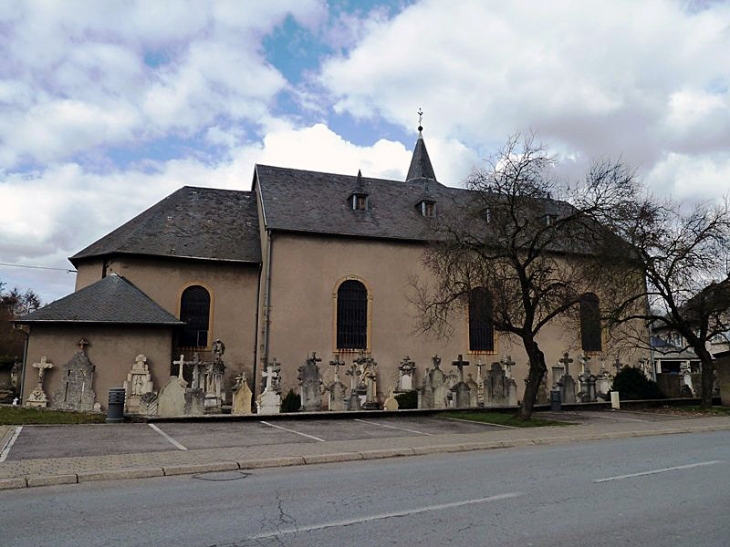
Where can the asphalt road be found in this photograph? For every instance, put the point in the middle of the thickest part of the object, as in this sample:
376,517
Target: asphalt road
106,439
650,491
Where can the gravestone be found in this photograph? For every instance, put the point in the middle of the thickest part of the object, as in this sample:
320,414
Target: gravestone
390,403
309,382
494,391
138,382
604,381
438,384
269,402
510,386
171,400
76,392
425,394
480,382
242,396
148,404
37,397
473,391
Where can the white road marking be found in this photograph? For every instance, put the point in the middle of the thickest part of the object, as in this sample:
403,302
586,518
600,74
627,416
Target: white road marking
656,471
11,442
293,431
166,436
393,427
382,516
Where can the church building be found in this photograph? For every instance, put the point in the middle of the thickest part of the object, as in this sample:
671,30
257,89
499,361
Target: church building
303,262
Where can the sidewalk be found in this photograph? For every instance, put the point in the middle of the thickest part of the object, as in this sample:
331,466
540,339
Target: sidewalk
70,470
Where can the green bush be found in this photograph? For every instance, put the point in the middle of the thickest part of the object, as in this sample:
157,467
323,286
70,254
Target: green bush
631,384
292,402
409,399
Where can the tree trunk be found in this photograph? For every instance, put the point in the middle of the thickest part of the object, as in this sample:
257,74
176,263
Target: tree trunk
534,377
708,375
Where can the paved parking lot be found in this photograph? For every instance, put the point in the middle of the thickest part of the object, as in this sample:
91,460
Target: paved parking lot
109,439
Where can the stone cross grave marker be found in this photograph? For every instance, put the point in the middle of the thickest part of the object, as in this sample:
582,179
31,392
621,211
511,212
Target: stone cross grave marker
37,397
337,364
565,361
507,364
460,364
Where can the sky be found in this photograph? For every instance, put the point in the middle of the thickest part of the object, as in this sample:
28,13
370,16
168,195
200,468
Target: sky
106,107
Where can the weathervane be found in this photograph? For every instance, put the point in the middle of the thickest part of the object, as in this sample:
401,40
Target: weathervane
420,119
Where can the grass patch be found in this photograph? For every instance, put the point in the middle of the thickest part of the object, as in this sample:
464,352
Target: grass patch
499,418
18,415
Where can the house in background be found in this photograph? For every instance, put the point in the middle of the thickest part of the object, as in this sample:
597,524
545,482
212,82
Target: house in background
304,262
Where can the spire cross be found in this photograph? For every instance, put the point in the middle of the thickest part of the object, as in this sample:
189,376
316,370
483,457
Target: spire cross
420,120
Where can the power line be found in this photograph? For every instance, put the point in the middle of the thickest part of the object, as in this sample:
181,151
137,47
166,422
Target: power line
37,267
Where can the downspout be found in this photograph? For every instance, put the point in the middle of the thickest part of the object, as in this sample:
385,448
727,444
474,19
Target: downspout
25,360
267,298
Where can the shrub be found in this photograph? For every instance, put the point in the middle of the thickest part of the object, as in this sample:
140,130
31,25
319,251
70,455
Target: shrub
409,399
631,384
292,402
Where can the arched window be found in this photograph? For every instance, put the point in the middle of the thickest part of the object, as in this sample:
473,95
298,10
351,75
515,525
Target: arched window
352,316
195,312
590,323
481,326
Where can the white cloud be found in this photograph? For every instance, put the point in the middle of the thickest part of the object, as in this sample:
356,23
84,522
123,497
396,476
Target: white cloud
609,78
76,69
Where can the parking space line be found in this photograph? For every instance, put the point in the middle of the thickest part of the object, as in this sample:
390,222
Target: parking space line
657,471
166,436
11,442
293,431
394,427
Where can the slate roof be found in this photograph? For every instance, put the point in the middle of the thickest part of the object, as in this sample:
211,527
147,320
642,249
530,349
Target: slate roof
192,222
315,202
112,299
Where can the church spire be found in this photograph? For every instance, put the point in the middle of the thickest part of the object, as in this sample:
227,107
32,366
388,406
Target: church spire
421,167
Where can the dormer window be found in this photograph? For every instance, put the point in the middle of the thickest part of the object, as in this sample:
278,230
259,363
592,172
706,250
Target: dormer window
550,219
427,208
359,202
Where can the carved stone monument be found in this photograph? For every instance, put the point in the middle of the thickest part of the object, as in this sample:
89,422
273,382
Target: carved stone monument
76,391
138,382
37,397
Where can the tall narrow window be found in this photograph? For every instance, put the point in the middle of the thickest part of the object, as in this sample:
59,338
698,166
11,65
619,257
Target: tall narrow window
481,326
195,312
352,315
590,323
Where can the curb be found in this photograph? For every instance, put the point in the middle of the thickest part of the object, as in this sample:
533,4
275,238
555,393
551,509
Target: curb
31,481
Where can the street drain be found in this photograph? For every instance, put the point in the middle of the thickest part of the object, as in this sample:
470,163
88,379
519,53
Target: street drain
221,476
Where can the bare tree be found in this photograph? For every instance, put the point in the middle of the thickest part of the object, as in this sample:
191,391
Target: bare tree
513,236
682,254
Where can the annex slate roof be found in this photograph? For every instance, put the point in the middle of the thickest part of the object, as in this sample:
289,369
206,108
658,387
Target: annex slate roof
112,299
192,222
315,202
